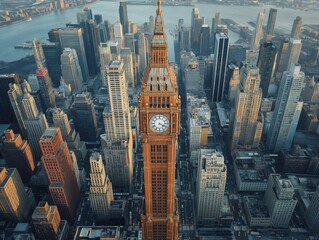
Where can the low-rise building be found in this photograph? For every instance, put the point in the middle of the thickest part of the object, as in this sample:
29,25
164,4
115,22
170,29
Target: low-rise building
256,212
97,233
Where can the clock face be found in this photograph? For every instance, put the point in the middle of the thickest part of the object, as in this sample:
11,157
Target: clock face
159,123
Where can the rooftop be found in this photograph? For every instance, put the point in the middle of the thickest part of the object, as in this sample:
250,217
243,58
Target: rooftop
97,232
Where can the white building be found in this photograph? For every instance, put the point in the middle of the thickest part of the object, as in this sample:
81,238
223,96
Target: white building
101,192
211,180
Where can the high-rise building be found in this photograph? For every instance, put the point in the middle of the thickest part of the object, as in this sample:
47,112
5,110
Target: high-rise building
142,51
204,40
270,28
294,45
159,116
287,110
52,52
118,33
215,22
105,58
123,16
71,70
247,124
16,203
5,105
127,60
32,123
211,182
118,134
46,221
258,32
58,165
46,91
281,58
101,192
312,212
17,154
266,64
195,15
38,53
84,117
280,201
72,138
53,35
220,66
71,37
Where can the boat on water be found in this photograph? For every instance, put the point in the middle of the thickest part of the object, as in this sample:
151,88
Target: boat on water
29,19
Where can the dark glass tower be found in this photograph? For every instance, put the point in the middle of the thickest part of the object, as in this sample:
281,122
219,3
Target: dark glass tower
204,39
123,17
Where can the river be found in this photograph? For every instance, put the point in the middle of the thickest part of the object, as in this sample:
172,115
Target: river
39,26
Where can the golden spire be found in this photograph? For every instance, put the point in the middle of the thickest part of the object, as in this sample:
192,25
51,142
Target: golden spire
159,10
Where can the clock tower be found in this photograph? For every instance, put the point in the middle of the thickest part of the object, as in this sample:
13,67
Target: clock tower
159,116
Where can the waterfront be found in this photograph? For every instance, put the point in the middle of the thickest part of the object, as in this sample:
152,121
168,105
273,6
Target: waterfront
39,26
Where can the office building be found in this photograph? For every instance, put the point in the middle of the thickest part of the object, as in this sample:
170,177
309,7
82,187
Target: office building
117,140
46,221
16,202
215,22
5,105
72,137
71,70
194,83
123,17
270,28
204,40
105,58
99,232
258,32
118,33
281,58
45,87
294,45
17,154
266,64
101,192
58,165
38,53
52,52
159,112
142,51
84,117
220,66
280,201
247,124
287,110
211,181
127,60
72,37
32,123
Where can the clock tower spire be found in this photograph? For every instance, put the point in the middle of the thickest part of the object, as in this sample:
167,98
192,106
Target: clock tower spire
159,116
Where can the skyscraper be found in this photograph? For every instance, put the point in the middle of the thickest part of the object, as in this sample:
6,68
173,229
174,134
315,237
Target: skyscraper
287,110
5,105
71,70
195,15
38,53
270,28
59,168
16,203
105,58
159,115
247,124
220,66
281,58
204,40
101,192
17,154
118,33
46,221
211,181
123,16
215,22
280,201
294,46
52,52
84,117
127,60
72,137
266,64
142,50
46,91
71,37
258,32
32,123
118,134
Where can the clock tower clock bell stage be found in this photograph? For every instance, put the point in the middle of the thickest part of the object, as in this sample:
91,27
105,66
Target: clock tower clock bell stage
159,117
